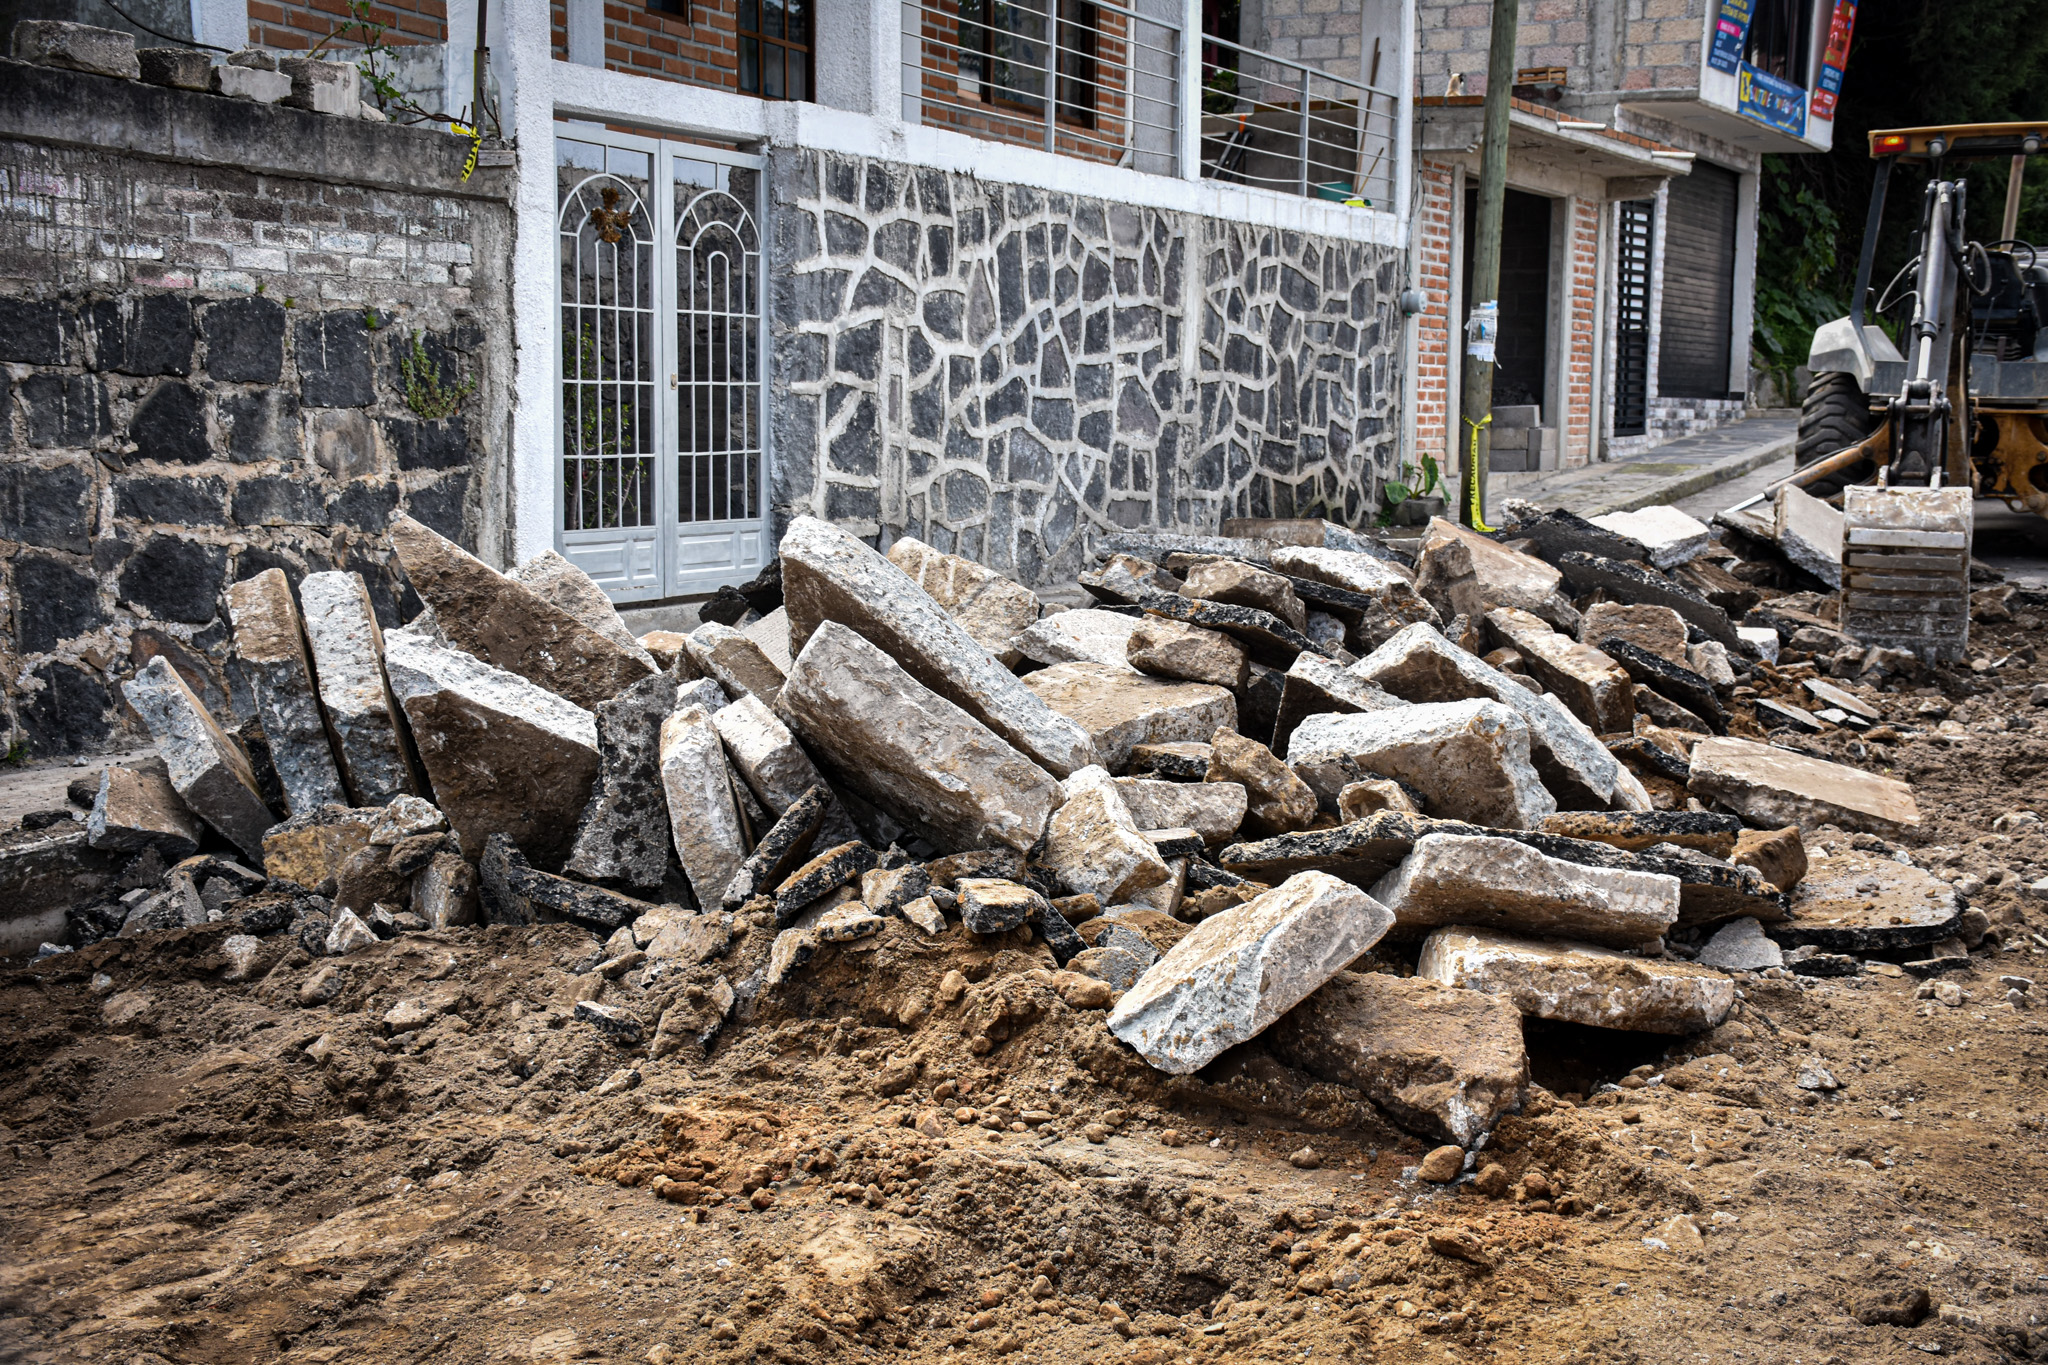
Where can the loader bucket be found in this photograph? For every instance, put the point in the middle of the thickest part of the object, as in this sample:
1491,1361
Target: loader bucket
1906,568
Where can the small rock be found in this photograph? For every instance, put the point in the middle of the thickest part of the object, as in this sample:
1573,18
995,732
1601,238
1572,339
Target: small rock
612,1021
992,906
1740,946
321,985
407,1016
1305,1159
347,934
1443,1165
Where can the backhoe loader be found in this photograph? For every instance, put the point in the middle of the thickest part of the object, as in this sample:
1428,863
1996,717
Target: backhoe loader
1908,433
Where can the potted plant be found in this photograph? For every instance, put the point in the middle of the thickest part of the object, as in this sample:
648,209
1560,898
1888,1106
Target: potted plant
1415,497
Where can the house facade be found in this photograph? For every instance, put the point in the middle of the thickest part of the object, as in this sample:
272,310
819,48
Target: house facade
1629,251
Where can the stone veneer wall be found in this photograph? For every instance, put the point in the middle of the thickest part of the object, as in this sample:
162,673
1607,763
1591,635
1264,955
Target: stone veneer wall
999,370
203,304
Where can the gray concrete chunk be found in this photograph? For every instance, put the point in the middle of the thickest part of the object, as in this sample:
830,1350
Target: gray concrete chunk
1772,787
271,644
1469,759
1579,983
1084,636
909,750
1502,884
555,579
348,660
622,839
504,755
1093,846
137,807
989,607
210,772
827,575
1240,970
1119,708
703,819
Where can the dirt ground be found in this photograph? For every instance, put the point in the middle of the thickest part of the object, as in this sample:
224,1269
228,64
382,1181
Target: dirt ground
896,1156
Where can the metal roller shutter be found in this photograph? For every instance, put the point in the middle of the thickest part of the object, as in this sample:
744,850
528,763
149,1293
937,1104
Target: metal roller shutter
1699,284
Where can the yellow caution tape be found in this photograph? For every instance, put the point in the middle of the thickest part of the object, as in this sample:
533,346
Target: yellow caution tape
476,146
1472,474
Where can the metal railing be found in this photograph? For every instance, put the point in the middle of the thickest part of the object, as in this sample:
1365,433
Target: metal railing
1109,76
1283,125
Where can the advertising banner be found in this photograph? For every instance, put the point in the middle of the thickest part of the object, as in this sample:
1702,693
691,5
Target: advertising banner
1829,88
1731,27
1770,101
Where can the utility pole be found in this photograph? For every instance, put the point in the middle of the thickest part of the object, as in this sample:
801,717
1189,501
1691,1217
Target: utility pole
1482,330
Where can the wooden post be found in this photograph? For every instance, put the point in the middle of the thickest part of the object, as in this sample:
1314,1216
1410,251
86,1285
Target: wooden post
1483,301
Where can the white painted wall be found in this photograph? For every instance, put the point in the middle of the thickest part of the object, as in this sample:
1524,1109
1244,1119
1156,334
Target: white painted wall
221,23
1742,312
586,32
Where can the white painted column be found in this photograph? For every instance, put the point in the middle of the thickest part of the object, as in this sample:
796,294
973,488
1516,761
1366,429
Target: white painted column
524,53
1404,125
1191,90
860,69
221,23
1742,312
586,32
458,67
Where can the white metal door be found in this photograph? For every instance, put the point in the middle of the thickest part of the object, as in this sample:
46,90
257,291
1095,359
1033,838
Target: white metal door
662,440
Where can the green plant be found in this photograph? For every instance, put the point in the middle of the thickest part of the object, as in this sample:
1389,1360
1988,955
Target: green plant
17,754
1416,481
1795,275
370,319
425,393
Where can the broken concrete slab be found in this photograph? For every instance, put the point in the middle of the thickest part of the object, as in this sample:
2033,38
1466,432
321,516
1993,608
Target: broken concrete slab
1265,637
1828,694
1213,810
1659,710
1715,835
1669,536
736,663
1638,584
1502,884
1809,534
1420,665
989,607
1660,630
311,847
1558,531
1469,759
1178,760
771,633
1126,579
787,843
1093,845
1740,946
555,579
1673,681
775,768
1365,574
349,664
270,642
1314,684
1278,802
1596,688
1121,708
828,575
1759,642
1772,788
622,838
504,754
1579,983
1082,636
842,865
509,626
1856,902
1485,575
512,891
906,748
445,894
703,819
209,771
137,808
1169,649
1778,855
1441,1061
1239,584
993,905
1357,800
886,890
1240,970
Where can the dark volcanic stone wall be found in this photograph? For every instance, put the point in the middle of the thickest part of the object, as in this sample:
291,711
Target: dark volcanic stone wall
199,377
998,370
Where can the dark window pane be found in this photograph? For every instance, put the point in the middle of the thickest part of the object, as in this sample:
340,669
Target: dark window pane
771,71
771,18
798,82
750,16
799,20
750,66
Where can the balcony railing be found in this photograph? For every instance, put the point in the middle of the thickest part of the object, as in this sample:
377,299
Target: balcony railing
1084,78
1286,126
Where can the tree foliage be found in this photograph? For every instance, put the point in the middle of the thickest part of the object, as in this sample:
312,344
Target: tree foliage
1913,63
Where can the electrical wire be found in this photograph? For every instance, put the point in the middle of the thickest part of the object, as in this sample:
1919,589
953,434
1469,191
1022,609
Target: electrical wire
157,33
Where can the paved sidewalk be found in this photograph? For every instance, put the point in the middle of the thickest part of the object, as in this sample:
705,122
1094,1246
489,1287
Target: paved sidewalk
1670,473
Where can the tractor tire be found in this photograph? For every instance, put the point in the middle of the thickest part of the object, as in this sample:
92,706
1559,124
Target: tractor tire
1835,416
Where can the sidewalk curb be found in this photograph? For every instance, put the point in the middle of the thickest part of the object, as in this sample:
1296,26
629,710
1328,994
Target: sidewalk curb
1699,481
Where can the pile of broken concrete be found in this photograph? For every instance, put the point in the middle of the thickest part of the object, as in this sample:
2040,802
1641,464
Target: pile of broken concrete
1376,807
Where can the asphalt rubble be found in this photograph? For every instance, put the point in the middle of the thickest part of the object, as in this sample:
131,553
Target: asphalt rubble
1390,814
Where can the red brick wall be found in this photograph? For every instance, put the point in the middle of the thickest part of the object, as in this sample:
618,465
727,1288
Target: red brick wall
949,102
1582,312
1433,351
298,24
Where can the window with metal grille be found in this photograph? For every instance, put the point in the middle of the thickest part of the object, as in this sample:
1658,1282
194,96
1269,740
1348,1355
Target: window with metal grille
775,48
1634,220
